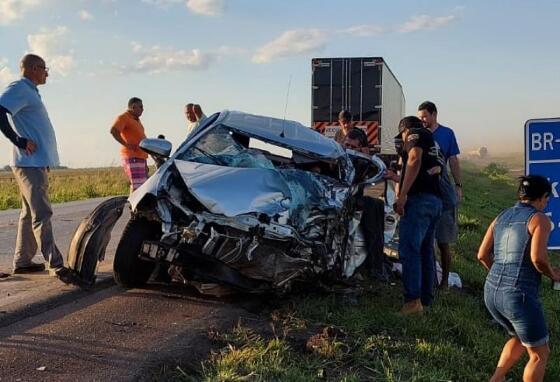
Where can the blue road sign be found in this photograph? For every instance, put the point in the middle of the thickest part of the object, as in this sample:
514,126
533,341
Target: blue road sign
542,157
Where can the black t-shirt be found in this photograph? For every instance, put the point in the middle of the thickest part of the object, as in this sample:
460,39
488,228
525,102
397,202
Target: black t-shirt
428,179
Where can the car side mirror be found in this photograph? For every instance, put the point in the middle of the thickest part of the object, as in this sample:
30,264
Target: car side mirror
159,148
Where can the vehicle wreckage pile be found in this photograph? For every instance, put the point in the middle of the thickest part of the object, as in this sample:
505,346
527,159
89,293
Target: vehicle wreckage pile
247,201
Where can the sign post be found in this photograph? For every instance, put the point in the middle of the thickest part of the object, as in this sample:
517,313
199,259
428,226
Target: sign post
542,157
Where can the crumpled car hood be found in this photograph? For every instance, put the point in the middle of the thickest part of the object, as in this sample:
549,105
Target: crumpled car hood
232,191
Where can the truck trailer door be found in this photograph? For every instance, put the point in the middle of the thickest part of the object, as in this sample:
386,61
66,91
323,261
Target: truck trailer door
352,84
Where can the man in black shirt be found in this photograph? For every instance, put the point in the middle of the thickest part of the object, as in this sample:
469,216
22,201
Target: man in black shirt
419,205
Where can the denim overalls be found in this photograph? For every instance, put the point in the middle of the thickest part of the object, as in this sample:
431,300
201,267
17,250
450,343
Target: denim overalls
512,285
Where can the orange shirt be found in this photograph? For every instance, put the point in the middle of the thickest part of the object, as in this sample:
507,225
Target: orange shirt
131,131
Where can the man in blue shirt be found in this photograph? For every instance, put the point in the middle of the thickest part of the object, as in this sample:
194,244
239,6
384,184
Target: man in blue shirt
34,152
451,193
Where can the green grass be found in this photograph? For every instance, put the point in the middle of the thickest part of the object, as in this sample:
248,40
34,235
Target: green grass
67,185
454,341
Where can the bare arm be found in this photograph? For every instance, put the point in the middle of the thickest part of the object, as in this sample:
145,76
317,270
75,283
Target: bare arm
412,169
486,250
391,175
456,172
539,228
115,133
413,164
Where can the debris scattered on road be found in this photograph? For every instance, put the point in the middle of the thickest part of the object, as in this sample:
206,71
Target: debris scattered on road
124,323
41,368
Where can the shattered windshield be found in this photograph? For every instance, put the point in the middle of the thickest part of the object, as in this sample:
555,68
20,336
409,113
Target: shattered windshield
222,147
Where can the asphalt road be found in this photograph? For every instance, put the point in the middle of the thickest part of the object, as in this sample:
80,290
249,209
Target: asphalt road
66,217
113,335
110,334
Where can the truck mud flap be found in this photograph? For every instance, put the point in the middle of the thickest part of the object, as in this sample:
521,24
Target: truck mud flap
203,268
90,239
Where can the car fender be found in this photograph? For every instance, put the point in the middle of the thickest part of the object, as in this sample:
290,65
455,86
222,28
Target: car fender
91,237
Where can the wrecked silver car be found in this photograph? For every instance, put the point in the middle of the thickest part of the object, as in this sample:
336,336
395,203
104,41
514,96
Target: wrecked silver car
251,202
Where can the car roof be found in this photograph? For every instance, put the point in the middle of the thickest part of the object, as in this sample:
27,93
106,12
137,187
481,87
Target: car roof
289,134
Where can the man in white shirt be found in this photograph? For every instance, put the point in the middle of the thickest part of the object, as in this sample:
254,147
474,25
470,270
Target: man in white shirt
194,115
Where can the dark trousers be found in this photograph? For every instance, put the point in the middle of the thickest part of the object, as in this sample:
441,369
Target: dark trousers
373,227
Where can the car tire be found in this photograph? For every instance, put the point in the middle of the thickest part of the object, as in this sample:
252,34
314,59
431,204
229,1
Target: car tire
129,270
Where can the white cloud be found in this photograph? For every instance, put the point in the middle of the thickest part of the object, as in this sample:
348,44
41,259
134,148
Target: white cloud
363,30
156,59
225,50
416,23
136,47
85,15
50,44
13,10
206,7
199,7
162,3
6,75
291,43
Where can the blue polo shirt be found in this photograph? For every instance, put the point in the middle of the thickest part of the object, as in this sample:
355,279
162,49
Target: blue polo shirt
31,120
445,138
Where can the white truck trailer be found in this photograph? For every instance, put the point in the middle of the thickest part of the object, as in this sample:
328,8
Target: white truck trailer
366,87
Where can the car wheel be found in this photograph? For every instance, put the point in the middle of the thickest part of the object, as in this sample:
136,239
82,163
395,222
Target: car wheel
129,270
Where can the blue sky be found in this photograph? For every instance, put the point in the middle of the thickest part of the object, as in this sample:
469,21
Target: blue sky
488,65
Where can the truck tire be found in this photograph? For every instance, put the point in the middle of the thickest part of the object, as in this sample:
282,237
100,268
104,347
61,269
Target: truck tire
129,270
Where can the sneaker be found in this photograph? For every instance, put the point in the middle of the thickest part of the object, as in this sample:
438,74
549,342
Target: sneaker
4,275
31,268
412,307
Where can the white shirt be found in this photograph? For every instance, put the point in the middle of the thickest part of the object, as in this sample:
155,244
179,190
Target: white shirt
191,126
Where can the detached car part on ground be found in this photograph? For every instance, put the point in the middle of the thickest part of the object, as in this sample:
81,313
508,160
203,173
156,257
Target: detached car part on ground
246,201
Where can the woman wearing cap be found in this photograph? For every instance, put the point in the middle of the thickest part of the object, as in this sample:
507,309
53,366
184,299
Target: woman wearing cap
514,250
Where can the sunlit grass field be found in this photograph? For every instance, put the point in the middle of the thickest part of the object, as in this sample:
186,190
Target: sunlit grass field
456,340
69,184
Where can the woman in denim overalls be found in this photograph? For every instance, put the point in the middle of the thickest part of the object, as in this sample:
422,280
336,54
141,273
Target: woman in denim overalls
514,250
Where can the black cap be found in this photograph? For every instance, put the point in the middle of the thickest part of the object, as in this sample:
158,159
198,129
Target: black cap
399,135
410,122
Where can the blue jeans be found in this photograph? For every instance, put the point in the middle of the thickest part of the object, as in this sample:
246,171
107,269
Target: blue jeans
416,246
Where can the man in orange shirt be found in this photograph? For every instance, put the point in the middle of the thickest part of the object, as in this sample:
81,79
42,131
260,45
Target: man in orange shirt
128,131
